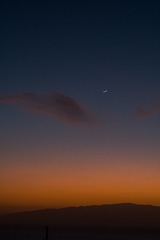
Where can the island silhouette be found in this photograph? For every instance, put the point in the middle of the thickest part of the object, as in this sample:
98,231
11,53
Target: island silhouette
124,215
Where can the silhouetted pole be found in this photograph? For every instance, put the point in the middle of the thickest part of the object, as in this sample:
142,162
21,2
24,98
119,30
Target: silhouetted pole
46,233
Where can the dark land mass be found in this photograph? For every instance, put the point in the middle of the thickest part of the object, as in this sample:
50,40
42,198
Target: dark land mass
110,216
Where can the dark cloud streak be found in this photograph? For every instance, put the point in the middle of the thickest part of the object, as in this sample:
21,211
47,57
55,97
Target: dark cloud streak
52,104
143,113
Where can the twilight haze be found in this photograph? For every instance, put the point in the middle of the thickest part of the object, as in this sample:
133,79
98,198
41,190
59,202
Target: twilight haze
63,142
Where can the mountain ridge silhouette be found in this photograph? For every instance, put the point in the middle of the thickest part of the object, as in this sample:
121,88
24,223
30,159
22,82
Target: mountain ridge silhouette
122,215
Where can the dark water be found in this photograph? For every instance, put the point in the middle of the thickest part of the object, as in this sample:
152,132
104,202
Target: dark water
38,233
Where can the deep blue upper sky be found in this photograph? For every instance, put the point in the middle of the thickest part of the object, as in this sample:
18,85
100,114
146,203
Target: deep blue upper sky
79,45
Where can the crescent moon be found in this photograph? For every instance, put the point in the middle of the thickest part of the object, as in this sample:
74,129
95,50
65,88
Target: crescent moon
105,91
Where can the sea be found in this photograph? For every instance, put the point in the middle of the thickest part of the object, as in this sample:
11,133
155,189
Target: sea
39,233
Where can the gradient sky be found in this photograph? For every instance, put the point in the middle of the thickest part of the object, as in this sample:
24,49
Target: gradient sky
63,142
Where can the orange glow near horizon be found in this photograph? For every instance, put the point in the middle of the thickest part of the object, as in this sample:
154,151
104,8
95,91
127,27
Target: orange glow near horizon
35,187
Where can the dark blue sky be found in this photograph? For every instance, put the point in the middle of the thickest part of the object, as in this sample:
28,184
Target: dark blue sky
79,49
68,44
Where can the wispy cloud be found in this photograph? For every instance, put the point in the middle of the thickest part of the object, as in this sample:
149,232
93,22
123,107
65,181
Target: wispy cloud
52,104
143,113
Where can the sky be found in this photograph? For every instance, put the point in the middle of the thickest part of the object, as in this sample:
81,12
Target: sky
63,141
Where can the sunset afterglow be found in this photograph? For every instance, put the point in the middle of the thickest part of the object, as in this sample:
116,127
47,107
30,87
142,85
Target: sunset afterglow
79,103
